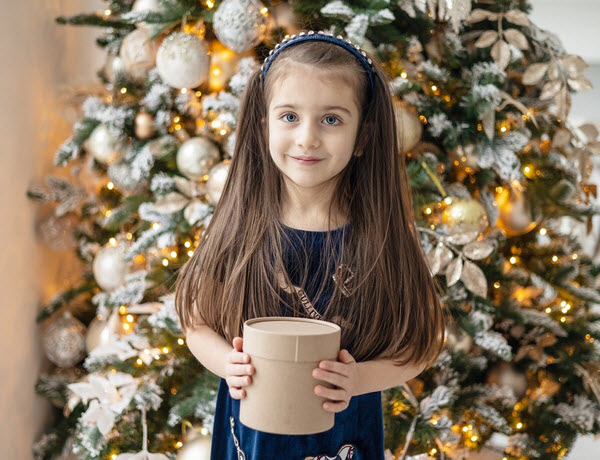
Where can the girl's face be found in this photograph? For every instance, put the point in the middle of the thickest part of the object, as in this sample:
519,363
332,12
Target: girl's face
313,121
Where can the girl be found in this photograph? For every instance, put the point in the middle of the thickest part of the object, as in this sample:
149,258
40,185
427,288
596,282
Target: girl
315,220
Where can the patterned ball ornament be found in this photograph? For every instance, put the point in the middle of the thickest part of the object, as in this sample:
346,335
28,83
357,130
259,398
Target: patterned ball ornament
196,156
64,340
110,267
105,145
138,54
182,60
240,24
216,182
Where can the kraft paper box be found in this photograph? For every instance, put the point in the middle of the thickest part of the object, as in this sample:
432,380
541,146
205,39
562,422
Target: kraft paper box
284,351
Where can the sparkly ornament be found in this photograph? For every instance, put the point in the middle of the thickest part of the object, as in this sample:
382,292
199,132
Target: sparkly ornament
64,340
240,24
458,340
505,374
464,211
105,145
196,156
197,444
144,125
109,267
408,126
515,214
182,60
216,181
101,331
138,54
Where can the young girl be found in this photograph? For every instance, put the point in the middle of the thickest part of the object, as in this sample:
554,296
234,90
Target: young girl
315,220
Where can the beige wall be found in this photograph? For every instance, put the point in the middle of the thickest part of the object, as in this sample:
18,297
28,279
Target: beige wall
38,58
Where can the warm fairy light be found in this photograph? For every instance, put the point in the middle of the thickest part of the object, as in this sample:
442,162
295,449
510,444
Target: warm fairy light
456,163
177,119
448,200
264,11
519,426
180,341
433,451
503,129
209,3
107,12
126,326
178,445
528,171
110,186
513,260
113,242
465,429
543,231
428,211
139,362
403,75
432,227
433,88
422,118
123,90
129,318
499,190
173,254
165,350
129,235
190,253
122,309
198,93
187,244
574,256
548,310
474,438
554,259
215,124
216,71
183,90
165,262
223,132
497,285
562,319
156,225
108,213
563,303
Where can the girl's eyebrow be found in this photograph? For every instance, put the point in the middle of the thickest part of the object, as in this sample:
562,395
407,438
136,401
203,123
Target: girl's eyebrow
329,107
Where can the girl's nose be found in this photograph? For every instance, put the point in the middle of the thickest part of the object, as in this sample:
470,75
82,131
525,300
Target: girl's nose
307,136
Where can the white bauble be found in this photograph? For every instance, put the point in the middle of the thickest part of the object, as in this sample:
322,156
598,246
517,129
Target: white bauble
110,268
146,5
64,340
138,54
196,156
197,448
216,181
113,67
182,60
102,331
105,145
239,24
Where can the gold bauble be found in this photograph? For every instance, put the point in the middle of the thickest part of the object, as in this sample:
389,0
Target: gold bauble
515,215
505,374
465,211
144,125
408,126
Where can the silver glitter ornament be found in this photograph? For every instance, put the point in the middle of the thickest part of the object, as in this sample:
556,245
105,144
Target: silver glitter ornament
240,24
196,156
216,181
64,340
105,145
182,60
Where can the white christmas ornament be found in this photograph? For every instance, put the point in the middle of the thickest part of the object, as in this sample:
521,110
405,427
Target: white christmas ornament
102,331
182,60
110,268
196,156
216,182
105,145
138,54
240,24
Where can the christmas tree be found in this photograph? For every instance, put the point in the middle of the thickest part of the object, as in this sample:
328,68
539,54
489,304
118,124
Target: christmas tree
500,181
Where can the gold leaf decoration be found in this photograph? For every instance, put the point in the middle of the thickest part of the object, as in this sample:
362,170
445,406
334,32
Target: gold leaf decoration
517,17
462,234
488,38
474,279
515,37
501,53
453,271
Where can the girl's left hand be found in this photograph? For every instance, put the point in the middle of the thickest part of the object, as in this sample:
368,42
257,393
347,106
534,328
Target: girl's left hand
343,374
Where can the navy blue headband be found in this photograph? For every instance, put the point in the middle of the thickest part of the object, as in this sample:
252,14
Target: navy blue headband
323,37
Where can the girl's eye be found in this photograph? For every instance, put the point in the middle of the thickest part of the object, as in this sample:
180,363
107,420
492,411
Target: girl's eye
332,117
287,115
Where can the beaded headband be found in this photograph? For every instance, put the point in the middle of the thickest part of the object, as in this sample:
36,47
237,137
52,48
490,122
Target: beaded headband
324,37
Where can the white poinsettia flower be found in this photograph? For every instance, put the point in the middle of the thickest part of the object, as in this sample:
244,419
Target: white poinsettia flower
149,354
100,415
143,455
119,348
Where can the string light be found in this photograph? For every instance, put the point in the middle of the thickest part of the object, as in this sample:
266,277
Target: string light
183,90
107,12
173,254
165,262
497,285
190,253
548,310
178,445
403,75
108,213
129,236
554,259
513,260
130,318
126,326
165,350
180,341
123,90
574,256
156,225
122,309
187,244
209,4
113,242
110,186
543,231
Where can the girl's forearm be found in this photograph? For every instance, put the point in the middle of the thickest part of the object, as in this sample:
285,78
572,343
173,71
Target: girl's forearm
381,374
209,348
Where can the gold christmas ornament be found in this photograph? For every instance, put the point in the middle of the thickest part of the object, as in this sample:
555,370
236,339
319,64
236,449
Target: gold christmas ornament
144,125
408,126
465,211
515,215
505,374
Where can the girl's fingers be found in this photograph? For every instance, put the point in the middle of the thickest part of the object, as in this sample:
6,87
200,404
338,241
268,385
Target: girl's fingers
238,357
237,393
332,366
239,369
335,406
332,393
335,379
238,381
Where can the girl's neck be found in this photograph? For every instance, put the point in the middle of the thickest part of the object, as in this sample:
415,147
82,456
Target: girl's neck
310,214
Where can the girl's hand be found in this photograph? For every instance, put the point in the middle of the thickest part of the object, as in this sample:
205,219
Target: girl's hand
343,374
238,370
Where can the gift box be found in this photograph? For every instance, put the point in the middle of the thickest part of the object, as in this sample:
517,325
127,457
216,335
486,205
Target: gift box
284,352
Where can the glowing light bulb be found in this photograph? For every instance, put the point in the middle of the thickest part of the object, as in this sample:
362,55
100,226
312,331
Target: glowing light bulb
543,231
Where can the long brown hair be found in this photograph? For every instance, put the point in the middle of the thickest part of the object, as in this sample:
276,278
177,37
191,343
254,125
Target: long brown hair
393,310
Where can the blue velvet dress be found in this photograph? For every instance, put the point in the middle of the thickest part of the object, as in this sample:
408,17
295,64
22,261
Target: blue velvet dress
358,430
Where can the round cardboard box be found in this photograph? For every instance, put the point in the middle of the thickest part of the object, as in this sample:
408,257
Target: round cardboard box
284,351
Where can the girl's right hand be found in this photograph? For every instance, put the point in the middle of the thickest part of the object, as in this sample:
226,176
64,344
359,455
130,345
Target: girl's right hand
238,370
